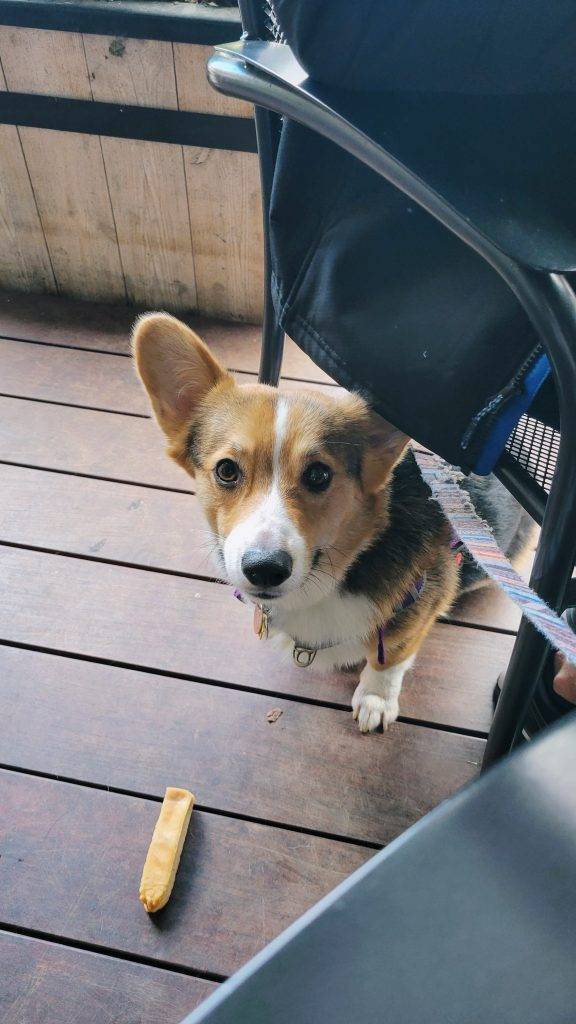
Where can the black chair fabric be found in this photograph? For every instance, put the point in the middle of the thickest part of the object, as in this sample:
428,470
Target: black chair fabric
390,303
469,917
482,47
478,99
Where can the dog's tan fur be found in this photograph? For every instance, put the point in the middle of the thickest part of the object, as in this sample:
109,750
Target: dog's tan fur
207,417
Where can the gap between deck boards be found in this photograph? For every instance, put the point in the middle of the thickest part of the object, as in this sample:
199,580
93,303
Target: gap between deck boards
106,328
98,985
238,886
219,743
447,619
199,808
109,952
112,614
157,530
73,376
240,371
331,705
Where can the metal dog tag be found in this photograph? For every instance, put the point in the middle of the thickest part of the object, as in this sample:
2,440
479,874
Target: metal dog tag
303,656
260,622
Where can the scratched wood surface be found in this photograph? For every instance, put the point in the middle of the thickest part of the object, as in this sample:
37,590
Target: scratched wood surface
88,379
24,258
49,982
72,869
126,667
195,628
141,222
106,328
221,744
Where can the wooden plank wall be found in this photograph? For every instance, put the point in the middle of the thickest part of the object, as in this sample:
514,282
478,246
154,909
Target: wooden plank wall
147,223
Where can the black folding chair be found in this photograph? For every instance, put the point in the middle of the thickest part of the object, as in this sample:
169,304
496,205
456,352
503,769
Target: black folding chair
467,917
464,171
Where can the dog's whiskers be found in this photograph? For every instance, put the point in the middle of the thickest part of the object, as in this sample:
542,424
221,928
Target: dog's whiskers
212,550
329,557
325,572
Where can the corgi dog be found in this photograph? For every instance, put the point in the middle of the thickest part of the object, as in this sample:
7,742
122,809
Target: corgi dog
319,516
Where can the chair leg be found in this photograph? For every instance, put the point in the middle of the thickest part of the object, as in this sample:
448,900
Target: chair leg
272,341
268,127
556,552
520,681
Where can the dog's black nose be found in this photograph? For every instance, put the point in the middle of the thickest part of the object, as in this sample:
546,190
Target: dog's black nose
266,568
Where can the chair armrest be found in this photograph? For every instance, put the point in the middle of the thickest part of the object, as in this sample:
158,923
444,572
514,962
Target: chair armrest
495,170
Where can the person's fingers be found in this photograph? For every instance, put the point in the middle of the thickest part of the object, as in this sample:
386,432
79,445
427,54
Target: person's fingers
564,678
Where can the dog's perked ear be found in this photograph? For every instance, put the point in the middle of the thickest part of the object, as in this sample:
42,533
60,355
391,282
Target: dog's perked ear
176,368
385,445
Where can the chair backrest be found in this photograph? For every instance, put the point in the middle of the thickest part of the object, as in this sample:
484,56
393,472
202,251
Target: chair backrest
390,294
259,20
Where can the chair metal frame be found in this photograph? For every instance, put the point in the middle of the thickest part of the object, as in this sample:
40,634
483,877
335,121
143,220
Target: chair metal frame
263,72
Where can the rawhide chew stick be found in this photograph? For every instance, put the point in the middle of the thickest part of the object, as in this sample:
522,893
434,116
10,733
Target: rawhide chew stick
164,851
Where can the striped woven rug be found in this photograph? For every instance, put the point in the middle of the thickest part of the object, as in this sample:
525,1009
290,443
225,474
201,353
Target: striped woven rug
477,537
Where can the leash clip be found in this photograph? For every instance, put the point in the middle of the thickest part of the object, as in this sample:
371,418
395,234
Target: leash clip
303,656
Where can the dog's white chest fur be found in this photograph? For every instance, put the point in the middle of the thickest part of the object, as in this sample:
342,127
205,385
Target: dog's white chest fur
335,627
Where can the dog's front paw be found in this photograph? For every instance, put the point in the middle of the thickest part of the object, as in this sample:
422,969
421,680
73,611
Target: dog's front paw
371,710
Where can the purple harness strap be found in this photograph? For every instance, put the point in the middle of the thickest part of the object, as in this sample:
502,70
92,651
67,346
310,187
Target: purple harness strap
456,545
381,648
412,596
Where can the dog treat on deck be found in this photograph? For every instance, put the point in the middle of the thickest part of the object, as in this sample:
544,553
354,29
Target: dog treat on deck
165,849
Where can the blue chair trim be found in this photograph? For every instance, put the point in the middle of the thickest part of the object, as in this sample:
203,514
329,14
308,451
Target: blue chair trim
505,423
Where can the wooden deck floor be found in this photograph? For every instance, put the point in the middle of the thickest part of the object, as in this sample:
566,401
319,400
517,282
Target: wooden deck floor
124,668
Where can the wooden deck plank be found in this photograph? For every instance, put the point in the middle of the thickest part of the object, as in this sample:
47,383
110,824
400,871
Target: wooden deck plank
72,867
88,442
81,441
87,379
107,328
454,676
44,982
310,769
138,525
196,629
487,607
453,679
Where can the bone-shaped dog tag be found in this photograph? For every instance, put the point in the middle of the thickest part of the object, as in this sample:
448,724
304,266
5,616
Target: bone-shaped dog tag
260,622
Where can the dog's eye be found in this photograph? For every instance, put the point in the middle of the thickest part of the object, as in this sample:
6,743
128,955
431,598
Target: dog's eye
317,477
227,472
